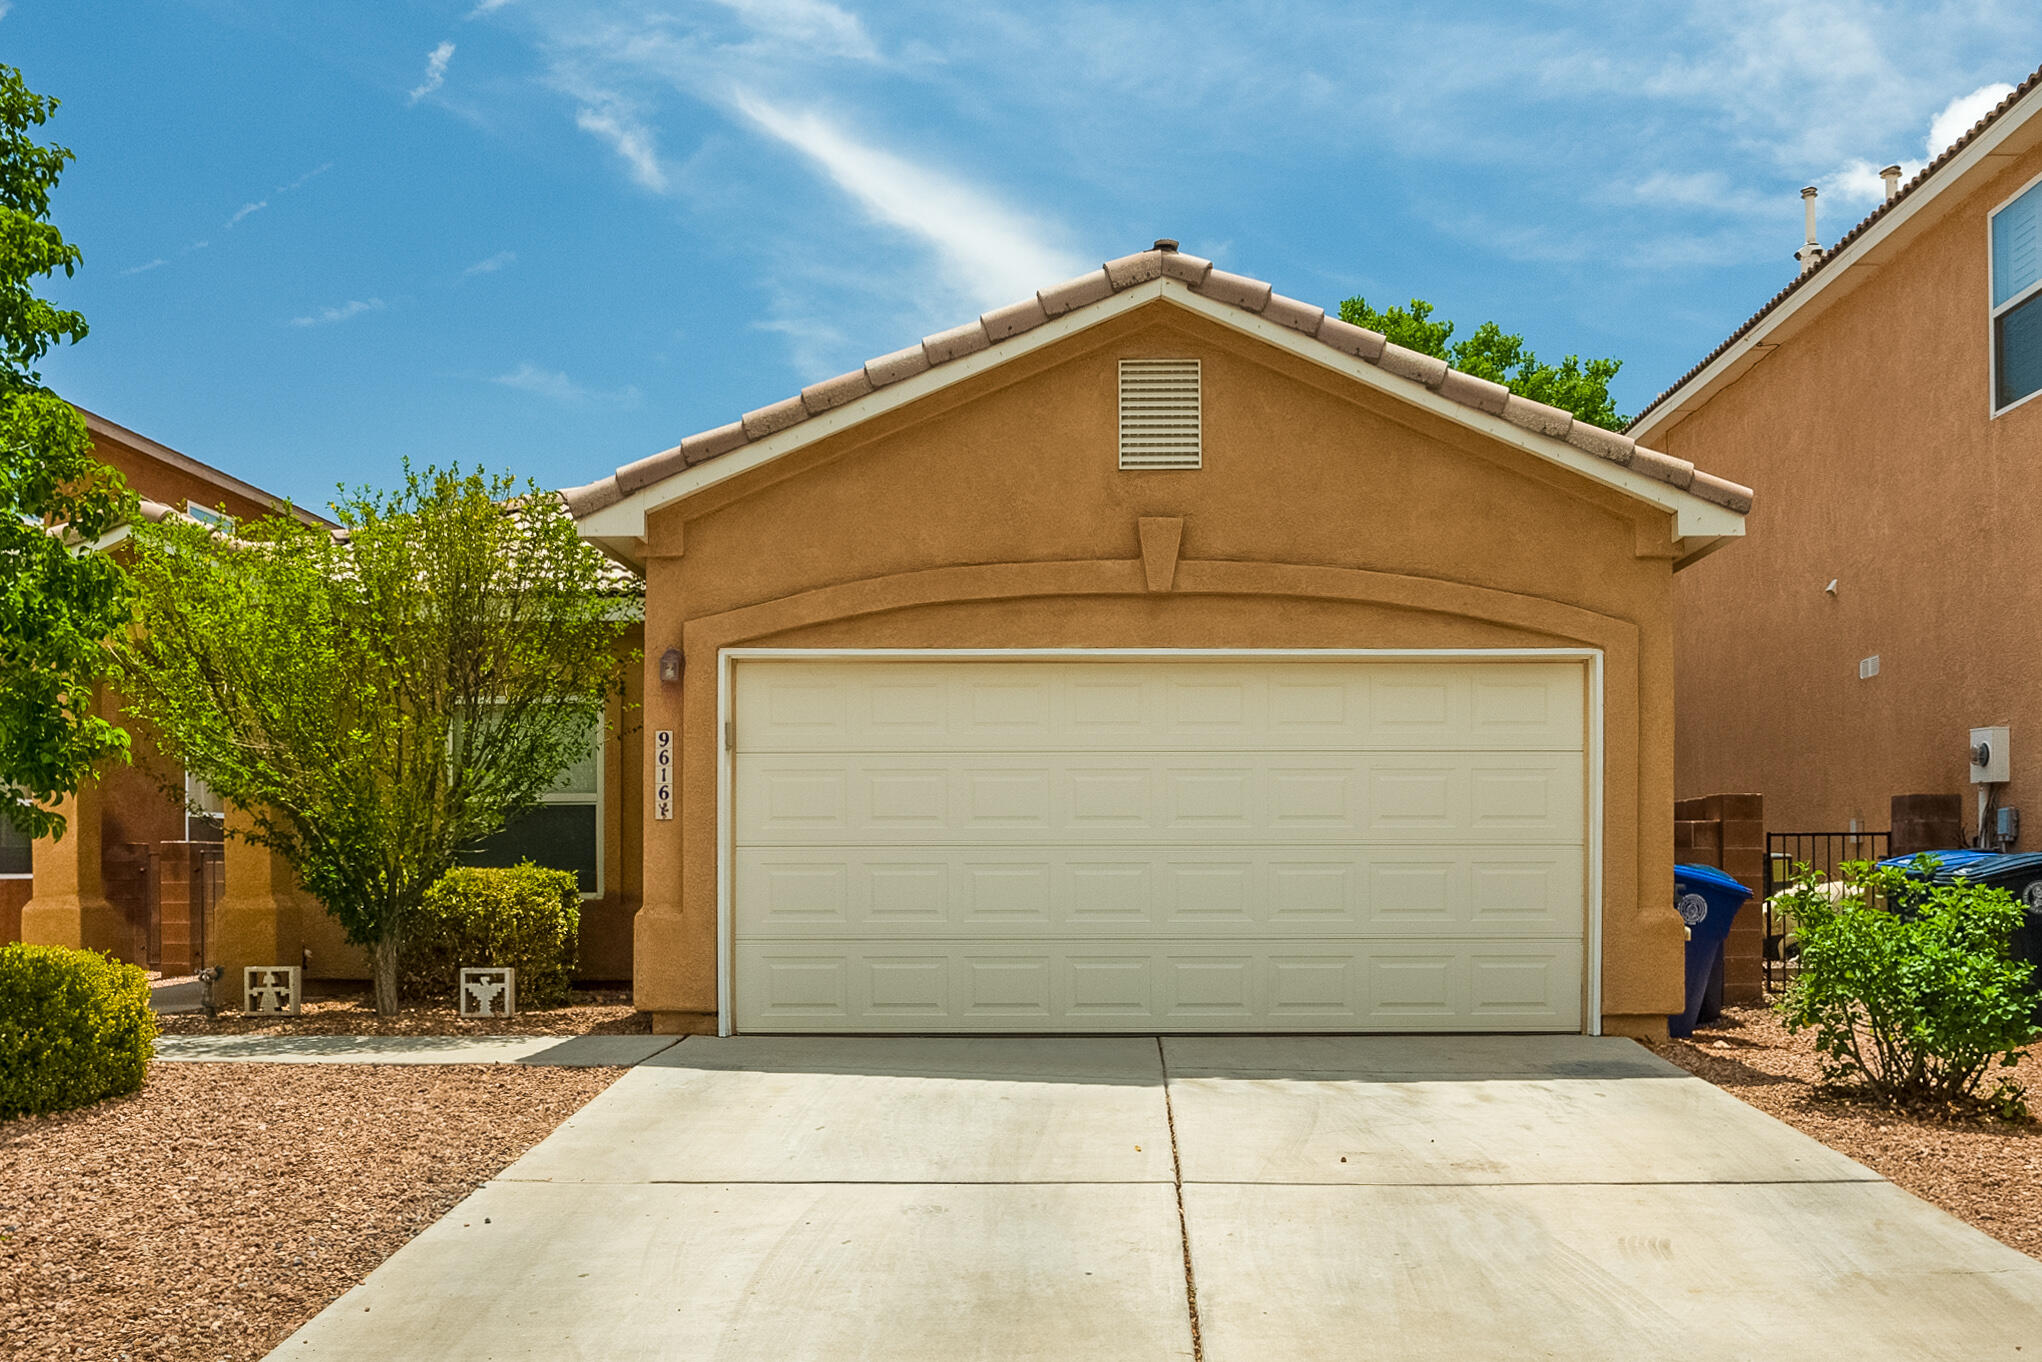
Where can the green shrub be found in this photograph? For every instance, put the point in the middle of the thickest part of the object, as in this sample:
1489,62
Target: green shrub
75,1028
524,918
1909,986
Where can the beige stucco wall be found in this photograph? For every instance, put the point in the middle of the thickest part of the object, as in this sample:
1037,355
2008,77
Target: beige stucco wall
1326,515
1882,468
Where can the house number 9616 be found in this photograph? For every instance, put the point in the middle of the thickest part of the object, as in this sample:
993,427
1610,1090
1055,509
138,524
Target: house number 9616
663,774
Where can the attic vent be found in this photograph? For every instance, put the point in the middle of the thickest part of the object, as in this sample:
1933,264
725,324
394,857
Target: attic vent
1159,413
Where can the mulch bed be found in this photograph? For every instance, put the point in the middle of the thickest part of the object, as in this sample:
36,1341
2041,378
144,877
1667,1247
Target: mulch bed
1983,1171
352,1013
211,1214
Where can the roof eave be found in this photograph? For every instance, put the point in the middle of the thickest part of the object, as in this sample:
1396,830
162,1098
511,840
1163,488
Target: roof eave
2015,132
620,527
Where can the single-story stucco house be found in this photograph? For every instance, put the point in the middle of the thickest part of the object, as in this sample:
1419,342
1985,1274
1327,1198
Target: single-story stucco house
1156,654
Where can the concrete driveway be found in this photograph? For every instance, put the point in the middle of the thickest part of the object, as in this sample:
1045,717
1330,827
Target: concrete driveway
1254,1198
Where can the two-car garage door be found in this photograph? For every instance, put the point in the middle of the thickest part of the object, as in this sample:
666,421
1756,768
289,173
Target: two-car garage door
1158,844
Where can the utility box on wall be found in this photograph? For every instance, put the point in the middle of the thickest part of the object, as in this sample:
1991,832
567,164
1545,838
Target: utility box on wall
1991,763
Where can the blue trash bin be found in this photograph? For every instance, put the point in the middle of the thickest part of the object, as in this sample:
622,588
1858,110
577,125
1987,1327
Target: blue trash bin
1707,900
2020,874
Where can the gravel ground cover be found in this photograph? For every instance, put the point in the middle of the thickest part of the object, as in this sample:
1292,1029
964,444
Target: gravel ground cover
208,1216
1982,1171
607,1013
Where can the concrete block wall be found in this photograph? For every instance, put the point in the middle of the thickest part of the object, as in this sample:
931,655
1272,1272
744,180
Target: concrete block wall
1727,831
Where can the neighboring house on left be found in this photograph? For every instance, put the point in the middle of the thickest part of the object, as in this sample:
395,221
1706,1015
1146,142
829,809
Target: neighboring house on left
158,883
102,884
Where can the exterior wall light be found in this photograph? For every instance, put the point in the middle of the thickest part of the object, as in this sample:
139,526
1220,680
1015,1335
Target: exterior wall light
670,667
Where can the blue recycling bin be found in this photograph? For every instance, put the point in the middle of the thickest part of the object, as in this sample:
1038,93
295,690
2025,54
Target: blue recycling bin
1707,900
2020,874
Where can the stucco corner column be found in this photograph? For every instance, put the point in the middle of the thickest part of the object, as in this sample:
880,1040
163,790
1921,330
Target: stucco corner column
259,917
69,906
673,942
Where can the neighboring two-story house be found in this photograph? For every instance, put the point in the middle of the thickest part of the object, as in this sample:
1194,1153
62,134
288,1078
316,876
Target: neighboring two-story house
1890,598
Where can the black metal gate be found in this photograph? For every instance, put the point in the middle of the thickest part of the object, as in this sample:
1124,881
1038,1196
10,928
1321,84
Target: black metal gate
1823,852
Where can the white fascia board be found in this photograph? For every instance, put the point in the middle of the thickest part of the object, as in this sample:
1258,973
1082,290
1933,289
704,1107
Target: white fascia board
1913,212
1695,517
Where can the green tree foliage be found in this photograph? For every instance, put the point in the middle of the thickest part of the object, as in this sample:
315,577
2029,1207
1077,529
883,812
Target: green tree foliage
58,606
380,699
1574,384
1909,986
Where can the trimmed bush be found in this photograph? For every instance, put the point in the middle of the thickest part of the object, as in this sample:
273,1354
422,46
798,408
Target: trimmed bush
75,1028
1910,987
524,918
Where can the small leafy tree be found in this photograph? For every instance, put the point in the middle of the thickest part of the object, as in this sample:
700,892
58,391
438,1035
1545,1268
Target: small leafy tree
58,606
1574,384
1908,985
377,699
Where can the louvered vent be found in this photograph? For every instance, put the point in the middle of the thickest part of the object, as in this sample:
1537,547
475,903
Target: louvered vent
1159,413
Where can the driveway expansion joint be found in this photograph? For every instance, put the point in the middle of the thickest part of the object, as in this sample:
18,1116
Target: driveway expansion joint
1183,1225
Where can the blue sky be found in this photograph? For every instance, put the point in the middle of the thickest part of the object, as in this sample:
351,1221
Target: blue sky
553,237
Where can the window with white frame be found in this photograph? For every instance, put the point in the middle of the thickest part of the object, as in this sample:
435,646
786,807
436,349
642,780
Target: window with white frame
564,831
2017,298
205,813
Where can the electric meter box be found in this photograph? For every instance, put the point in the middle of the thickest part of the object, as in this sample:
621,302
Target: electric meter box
1990,764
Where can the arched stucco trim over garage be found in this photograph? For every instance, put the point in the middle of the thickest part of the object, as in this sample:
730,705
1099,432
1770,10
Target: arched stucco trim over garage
676,932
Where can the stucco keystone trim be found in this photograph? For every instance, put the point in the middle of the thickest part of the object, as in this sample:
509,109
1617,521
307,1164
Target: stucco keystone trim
1161,538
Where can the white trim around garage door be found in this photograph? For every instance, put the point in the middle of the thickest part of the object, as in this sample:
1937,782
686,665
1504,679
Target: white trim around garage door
726,767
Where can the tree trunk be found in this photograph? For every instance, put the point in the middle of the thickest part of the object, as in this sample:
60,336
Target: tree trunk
386,975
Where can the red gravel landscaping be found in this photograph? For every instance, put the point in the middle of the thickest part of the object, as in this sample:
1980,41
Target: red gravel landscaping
208,1216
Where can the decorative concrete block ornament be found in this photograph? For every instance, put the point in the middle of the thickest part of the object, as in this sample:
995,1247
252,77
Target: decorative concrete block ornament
489,992
274,990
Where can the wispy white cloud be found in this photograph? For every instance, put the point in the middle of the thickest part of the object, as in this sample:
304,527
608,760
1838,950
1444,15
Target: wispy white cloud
487,7
314,173
491,265
435,72
6,7
347,311
994,254
555,386
247,210
611,120
815,25
157,263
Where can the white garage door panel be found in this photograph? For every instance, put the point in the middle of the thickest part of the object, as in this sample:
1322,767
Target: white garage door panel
1121,985
1079,798
1162,705
1182,844
794,893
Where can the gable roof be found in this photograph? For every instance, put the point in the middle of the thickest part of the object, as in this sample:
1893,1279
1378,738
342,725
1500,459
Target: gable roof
1910,207
612,508
119,434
